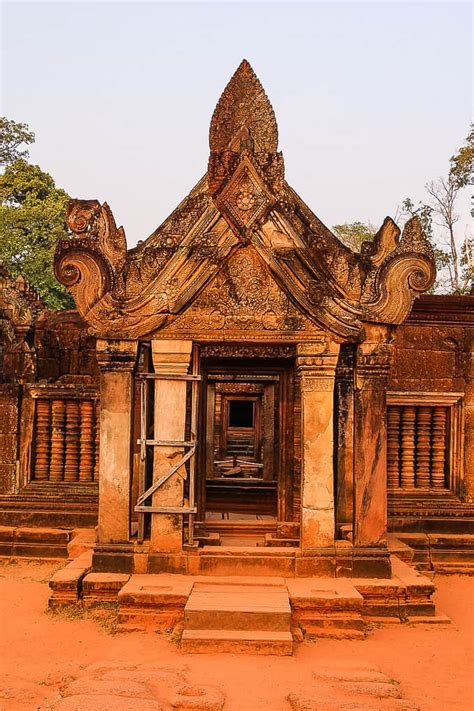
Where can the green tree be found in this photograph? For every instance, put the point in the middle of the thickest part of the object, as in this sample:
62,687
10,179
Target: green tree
454,254
354,234
462,163
12,136
32,219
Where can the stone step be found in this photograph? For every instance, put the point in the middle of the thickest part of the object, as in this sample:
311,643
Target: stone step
237,607
24,542
326,607
237,641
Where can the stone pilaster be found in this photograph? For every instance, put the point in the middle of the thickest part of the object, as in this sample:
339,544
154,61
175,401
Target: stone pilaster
370,437
169,358
116,362
468,489
316,367
345,436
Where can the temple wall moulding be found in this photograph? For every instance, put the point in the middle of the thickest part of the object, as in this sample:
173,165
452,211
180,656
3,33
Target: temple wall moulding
241,253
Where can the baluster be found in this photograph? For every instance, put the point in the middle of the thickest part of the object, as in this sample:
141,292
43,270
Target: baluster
86,461
408,447
423,449
96,439
41,469
393,447
438,448
57,440
71,463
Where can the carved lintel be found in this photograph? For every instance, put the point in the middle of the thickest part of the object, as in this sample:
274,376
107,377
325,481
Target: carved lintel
239,388
246,350
116,354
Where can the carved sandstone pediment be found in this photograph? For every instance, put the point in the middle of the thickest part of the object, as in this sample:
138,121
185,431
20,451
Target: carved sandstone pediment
242,206
242,300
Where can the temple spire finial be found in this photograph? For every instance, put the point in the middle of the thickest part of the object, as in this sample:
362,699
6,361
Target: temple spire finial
243,107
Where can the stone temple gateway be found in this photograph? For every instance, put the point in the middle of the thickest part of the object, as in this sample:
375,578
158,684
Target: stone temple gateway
247,350
246,430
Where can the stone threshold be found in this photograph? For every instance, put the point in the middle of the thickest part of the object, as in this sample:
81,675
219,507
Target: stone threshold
338,560
318,606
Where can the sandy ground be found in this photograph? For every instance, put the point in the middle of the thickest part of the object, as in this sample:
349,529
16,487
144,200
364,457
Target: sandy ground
41,654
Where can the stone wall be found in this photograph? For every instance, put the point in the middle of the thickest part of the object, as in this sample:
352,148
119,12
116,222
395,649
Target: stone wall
9,402
434,354
42,349
63,346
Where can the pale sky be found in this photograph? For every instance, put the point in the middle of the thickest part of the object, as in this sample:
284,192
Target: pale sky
371,99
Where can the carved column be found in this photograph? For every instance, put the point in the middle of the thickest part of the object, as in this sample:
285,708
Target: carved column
42,440
468,488
57,440
370,440
393,447
96,440
345,435
116,362
86,462
71,461
316,366
169,358
408,447
423,447
438,448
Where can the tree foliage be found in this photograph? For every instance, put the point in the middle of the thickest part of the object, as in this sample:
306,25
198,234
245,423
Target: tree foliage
32,219
354,234
12,136
462,163
454,253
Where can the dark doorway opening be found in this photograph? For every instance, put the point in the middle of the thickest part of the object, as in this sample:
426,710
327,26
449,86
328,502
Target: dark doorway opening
241,413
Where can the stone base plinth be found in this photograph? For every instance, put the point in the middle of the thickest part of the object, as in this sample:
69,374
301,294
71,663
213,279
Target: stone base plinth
99,588
113,558
157,600
326,608
66,584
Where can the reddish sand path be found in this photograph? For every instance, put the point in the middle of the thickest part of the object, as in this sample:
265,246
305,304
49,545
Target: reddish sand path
39,653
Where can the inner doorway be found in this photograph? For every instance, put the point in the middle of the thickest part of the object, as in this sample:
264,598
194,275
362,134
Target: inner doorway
245,447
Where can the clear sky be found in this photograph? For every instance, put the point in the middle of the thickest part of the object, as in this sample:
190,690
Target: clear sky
371,99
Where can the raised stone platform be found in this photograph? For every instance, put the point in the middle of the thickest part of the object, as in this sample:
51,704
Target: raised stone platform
249,615
258,614
25,542
66,584
441,552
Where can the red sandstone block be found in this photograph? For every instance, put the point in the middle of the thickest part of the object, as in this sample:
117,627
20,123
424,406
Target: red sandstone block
104,581
7,478
156,590
42,535
8,418
8,444
6,533
310,593
247,642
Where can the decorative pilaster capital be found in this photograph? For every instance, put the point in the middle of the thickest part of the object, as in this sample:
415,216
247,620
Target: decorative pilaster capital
316,364
116,355
171,357
374,356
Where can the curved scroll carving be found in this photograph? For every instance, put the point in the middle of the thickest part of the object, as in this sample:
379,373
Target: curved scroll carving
405,273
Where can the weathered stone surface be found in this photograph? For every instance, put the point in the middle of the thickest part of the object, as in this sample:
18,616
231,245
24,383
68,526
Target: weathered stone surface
92,702
106,687
197,698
